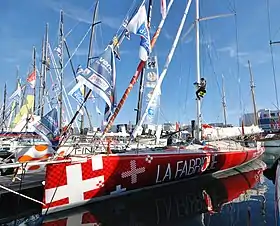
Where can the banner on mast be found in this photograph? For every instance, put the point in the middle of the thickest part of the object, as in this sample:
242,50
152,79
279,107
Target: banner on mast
100,77
151,77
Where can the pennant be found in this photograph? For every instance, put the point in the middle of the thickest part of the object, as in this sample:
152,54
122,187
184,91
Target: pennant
101,77
31,79
47,127
139,26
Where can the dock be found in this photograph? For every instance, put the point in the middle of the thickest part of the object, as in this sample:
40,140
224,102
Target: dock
29,181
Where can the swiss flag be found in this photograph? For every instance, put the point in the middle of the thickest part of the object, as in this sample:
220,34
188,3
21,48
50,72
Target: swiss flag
32,79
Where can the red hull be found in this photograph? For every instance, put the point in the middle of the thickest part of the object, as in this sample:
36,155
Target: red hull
97,177
169,205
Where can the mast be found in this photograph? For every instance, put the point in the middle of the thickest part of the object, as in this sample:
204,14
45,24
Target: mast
252,86
198,103
44,66
34,69
61,37
90,55
165,68
141,85
4,107
41,76
224,101
18,101
136,75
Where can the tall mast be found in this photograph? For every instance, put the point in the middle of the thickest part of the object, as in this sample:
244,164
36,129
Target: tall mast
45,59
141,85
61,41
34,70
252,86
18,82
198,103
90,55
4,107
41,76
224,101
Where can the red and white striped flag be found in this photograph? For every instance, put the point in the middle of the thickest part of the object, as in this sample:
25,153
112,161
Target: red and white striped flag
31,79
163,8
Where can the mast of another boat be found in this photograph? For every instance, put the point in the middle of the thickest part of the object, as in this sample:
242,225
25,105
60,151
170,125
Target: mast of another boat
90,57
252,86
34,71
224,101
4,106
41,77
61,40
44,71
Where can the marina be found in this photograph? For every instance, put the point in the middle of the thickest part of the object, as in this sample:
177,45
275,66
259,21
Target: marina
73,147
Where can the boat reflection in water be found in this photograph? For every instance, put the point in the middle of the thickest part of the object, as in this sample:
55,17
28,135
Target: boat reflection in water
182,203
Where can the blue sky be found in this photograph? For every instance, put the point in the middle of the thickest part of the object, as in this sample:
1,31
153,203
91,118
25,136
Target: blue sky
22,25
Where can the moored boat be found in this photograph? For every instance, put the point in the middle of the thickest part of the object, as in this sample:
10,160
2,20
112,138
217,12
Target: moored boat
160,206
103,176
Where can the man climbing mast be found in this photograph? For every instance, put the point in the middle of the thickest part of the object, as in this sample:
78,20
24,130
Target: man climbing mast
201,88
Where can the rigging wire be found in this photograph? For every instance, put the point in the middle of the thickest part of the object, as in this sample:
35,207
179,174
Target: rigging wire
271,53
241,104
64,168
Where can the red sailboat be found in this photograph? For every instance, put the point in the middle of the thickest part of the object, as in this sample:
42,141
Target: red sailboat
171,205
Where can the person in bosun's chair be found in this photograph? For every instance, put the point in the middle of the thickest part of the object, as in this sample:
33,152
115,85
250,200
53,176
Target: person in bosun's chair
201,88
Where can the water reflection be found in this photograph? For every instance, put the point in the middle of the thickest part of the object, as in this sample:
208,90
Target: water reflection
193,202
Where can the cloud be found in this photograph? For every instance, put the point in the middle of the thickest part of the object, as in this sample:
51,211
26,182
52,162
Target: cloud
81,14
256,57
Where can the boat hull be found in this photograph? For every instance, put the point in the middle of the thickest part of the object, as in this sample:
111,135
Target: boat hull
170,205
94,178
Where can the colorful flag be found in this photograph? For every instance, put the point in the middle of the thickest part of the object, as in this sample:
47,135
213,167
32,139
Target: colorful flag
31,79
47,127
100,77
139,26
163,8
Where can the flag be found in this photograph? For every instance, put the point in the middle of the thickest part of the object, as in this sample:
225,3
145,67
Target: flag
163,8
31,79
139,26
76,93
100,77
80,71
47,127
17,93
58,50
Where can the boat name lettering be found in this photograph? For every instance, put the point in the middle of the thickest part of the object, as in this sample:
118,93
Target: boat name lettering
185,168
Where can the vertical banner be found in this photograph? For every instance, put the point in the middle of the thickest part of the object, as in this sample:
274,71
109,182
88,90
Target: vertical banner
150,81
